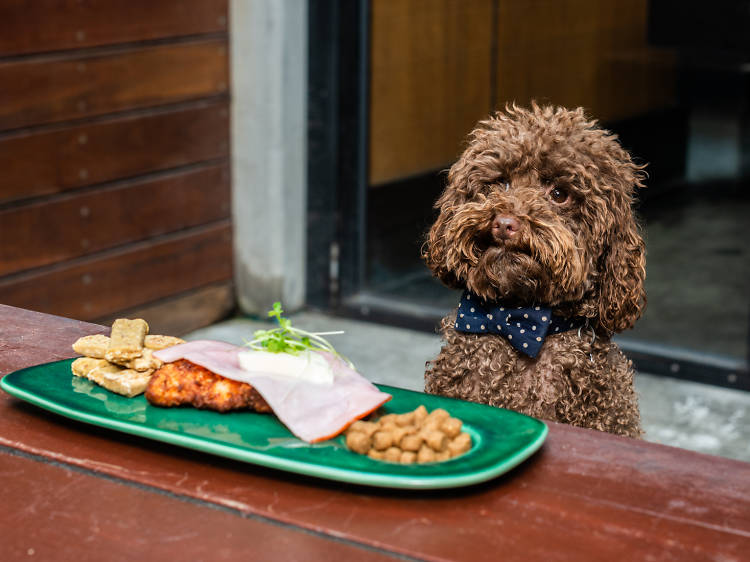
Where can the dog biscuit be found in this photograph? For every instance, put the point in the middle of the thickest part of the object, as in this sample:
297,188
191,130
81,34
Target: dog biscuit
127,382
82,366
92,346
156,342
123,362
126,340
145,362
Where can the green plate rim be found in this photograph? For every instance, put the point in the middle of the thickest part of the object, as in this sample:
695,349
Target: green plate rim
376,479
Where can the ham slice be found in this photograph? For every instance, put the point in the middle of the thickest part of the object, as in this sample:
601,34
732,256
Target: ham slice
312,412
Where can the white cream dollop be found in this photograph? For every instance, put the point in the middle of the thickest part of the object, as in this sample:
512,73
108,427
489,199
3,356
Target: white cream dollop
307,365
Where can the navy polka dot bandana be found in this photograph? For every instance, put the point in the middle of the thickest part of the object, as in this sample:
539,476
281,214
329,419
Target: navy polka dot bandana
524,327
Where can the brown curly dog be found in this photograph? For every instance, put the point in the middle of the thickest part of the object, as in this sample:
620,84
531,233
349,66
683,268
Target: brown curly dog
536,218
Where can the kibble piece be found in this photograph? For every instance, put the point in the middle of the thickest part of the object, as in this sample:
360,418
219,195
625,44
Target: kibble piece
460,445
392,454
437,414
358,442
373,454
408,457
126,340
411,442
387,426
451,427
405,419
381,440
368,428
388,418
430,423
437,440
442,456
399,432
425,454
420,414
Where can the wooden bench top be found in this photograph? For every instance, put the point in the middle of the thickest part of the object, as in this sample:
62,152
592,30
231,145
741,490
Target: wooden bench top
74,490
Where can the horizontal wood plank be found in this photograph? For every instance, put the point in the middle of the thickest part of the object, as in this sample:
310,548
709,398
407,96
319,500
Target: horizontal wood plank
68,519
138,274
50,90
50,25
16,348
44,162
185,312
64,228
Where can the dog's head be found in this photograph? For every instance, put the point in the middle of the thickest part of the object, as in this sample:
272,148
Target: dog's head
538,210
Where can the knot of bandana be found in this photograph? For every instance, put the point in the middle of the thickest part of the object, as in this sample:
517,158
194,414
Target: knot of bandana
524,327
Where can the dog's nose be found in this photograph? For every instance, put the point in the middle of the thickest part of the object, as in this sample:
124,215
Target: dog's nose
505,227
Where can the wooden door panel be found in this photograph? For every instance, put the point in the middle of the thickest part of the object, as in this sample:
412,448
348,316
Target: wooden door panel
431,75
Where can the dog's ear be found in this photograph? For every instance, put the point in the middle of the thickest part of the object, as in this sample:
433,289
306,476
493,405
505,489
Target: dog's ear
622,295
621,268
434,250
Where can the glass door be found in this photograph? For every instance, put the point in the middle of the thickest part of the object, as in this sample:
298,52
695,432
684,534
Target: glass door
404,82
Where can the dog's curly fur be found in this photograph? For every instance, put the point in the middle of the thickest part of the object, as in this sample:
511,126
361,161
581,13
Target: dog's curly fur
568,187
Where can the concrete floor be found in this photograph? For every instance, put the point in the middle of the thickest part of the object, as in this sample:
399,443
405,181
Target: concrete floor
693,416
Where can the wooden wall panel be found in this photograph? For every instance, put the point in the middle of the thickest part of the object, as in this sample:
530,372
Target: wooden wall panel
178,315
50,89
430,82
50,25
45,162
138,274
114,151
67,227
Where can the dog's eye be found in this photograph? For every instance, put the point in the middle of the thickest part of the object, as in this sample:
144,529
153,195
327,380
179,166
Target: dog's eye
559,195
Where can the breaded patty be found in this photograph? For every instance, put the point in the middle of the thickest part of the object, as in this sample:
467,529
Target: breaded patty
185,383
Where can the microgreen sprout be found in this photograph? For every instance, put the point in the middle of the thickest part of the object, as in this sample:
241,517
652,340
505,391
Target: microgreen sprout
287,339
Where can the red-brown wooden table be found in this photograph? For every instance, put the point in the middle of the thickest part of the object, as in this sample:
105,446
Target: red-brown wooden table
71,491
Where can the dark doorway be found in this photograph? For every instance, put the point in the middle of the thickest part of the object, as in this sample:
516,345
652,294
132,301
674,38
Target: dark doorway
394,91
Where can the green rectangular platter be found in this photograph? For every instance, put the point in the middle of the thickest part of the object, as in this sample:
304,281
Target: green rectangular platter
502,439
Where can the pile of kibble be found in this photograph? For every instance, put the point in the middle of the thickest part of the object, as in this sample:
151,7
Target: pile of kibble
411,437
